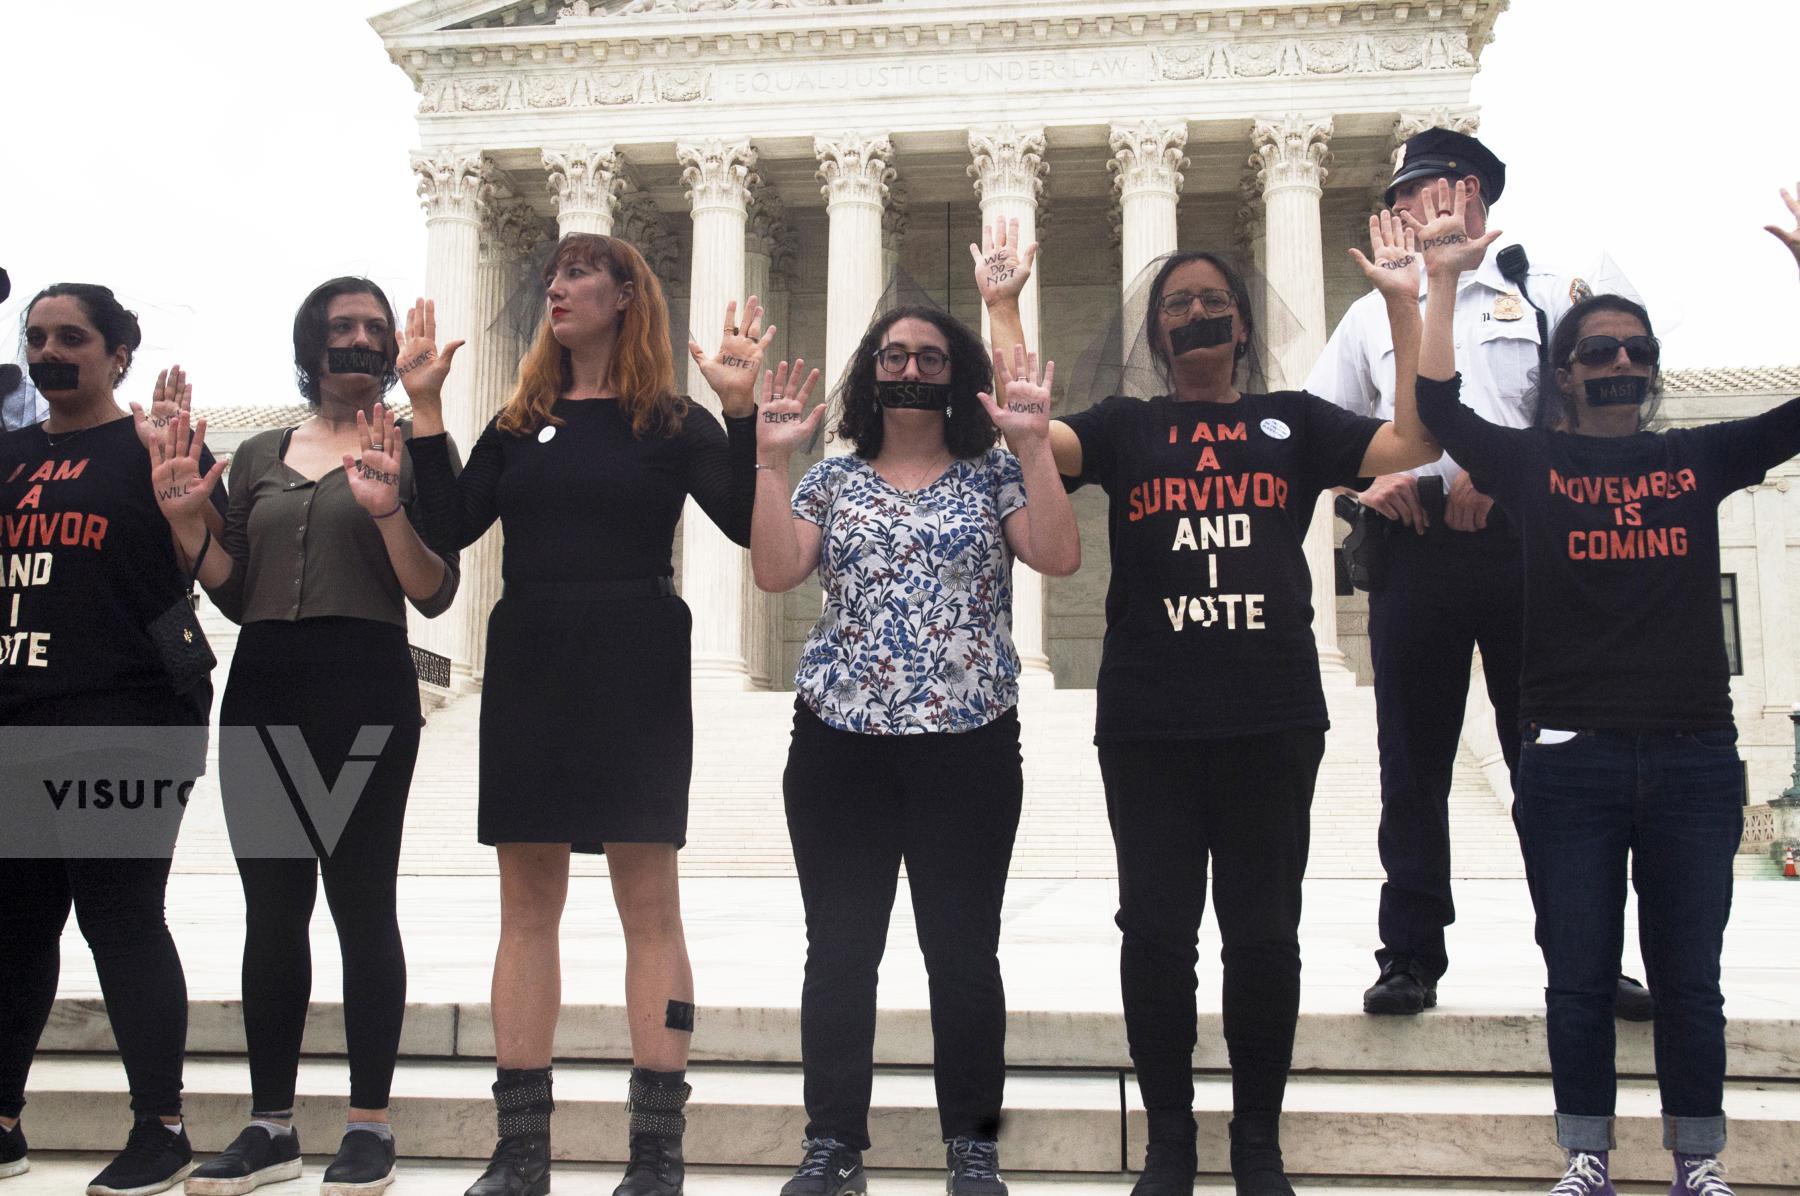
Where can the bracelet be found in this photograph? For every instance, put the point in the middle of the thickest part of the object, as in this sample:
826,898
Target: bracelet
397,507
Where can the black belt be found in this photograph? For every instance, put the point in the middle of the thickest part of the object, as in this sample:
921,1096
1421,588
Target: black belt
622,587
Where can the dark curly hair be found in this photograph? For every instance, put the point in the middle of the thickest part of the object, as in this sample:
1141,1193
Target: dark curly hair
1554,408
1234,282
310,333
968,432
110,319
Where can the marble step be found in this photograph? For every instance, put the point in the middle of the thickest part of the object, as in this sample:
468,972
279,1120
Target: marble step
1421,1127
1440,1042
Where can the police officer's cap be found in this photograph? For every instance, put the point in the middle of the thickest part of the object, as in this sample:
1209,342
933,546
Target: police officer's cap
1441,153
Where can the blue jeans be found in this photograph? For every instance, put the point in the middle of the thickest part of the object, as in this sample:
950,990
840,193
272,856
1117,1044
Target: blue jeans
1674,802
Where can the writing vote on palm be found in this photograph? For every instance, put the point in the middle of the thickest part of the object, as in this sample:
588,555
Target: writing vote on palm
421,366
172,396
182,489
1002,264
374,473
1023,414
783,424
1444,239
732,370
1392,266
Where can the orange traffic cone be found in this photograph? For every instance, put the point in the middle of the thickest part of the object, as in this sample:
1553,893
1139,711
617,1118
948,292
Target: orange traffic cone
1787,865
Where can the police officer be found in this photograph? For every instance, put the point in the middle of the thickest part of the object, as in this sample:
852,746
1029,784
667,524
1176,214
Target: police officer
1453,576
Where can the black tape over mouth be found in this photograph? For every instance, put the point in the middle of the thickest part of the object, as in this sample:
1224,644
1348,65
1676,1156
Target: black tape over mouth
1622,390
357,361
1206,333
55,375
915,396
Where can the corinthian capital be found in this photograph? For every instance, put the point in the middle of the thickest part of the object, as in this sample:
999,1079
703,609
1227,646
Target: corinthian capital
453,184
643,224
717,173
1147,156
895,218
853,167
1410,124
585,179
1008,162
766,229
510,230
1291,151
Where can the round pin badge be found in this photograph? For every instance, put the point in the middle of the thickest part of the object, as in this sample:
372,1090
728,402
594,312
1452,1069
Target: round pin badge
547,433
1277,429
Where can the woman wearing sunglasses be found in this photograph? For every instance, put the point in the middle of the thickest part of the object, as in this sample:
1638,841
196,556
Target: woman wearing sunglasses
906,737
1629,743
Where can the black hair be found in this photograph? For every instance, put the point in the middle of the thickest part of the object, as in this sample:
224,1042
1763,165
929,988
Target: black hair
968,432
310,332
1234,282
116,325
1556,409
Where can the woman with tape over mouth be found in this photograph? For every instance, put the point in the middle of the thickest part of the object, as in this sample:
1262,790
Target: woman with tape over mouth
906,729
586,725
1625,707
1211,715
323,554
93,601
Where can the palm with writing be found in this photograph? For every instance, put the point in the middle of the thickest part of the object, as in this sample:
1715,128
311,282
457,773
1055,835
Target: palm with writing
1002,265
182,489
1025,415
374,475
783,423
731,371
421,367
1444,239
1789,237
1392,266
172,396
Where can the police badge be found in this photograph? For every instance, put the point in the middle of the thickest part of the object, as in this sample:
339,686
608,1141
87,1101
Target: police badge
1509,307
1580,291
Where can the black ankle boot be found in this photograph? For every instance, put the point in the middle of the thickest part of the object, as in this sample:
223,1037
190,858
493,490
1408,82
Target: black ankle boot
657,1124
1256,1155
520,1165
1170,1159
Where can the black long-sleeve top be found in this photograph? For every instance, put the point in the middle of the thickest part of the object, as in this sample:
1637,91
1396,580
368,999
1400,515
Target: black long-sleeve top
588,500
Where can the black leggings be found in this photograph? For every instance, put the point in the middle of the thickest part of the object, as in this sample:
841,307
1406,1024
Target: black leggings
1245,802
857,805
330,677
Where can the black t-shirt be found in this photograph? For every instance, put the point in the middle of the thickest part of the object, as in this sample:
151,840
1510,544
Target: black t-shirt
1209,614
1621,535
86,564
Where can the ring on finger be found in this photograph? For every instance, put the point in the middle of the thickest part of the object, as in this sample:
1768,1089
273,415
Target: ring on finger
731,330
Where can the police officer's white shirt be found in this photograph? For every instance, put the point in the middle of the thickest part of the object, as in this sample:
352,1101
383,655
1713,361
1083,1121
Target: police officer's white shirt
1496,357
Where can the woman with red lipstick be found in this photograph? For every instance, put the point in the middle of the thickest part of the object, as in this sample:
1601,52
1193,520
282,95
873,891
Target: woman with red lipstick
586,727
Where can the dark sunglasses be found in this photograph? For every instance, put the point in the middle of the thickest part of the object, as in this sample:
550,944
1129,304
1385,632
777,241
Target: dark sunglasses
1595,351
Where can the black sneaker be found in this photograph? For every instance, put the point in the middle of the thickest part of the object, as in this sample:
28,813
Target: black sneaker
829,1169
1169,1170
974,1167
1632,1002
364,1165
12,1151
1400,990
255,1157
154,1160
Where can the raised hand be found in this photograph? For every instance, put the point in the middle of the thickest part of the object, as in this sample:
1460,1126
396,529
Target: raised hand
731,372
1444,239
182,490
1392,266
172,396
1789,237
421,367
375,474
783,424
1024,417
1002,265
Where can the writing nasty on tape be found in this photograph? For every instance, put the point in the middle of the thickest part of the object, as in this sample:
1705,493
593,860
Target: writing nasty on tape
1622,390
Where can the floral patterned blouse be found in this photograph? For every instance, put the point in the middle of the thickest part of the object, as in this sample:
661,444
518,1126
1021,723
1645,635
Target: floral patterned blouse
917,630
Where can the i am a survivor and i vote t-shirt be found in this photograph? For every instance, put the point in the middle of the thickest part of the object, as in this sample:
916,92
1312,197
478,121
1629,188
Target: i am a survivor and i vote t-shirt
1209,612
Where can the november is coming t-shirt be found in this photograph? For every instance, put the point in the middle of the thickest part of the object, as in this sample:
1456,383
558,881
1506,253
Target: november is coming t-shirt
1209,612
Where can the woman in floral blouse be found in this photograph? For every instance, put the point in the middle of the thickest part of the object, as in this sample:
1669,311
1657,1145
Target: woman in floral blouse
906,740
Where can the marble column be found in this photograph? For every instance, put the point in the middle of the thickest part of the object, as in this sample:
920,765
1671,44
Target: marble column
1008,168
854,174
1776,622
1292,154
1146,168
762,236
719,176
586,183
454,189
894,221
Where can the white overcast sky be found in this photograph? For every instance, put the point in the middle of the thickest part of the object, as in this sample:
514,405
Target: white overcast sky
213,160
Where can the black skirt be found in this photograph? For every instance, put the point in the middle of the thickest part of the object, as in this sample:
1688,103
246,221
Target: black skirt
587,731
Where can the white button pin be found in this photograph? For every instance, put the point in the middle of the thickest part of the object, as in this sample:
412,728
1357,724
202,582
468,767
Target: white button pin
547,433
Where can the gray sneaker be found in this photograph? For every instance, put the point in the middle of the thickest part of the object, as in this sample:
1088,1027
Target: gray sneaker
974,1167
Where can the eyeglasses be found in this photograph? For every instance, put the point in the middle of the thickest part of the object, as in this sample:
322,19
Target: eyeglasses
931,362
1213,303
1595,351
